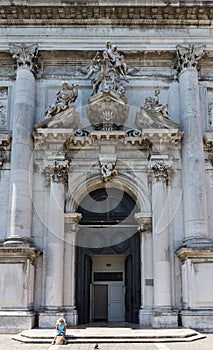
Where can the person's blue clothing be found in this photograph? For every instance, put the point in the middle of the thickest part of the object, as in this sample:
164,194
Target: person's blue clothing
61,328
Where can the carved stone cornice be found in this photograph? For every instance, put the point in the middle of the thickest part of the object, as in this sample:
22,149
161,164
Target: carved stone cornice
189,57
168,137
56,170
160,170
25,56
44,137
121,16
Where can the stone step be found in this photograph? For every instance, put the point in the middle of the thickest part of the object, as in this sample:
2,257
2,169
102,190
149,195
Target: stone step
107,335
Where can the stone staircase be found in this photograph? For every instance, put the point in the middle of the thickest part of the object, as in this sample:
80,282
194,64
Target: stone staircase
110,335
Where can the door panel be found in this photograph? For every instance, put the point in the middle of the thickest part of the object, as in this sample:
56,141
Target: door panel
100,302
116,302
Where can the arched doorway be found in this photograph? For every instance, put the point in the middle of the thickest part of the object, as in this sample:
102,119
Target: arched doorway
108,258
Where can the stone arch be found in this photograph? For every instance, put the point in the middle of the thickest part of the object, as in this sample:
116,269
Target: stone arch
136,188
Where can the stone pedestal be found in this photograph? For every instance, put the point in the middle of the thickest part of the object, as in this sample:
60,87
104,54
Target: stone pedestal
17,284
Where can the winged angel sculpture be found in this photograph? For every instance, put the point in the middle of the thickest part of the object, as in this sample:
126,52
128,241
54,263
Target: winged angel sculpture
107,69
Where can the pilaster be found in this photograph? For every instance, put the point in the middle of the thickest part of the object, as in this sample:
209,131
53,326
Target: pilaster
163,315
56,172
71,230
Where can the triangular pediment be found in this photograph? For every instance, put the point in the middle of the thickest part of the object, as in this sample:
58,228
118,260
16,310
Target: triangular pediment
147,118
67,119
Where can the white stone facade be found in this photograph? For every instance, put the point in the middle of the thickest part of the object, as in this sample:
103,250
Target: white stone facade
140,130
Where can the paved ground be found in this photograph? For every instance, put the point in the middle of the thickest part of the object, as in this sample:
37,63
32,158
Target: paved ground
6,343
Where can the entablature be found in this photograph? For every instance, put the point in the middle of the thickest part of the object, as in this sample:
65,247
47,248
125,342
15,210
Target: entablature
121,14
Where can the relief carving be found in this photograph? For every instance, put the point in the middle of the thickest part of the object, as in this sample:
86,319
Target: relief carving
211,114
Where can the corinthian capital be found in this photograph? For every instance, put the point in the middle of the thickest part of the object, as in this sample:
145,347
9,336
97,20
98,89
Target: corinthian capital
56,171
160,170
25,56
188,57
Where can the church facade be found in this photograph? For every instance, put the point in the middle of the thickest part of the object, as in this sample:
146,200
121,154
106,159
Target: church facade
106,163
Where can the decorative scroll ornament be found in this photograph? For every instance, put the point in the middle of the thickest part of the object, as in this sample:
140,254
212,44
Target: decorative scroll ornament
56,171
188,57
65,98
25,56
160,170
107,69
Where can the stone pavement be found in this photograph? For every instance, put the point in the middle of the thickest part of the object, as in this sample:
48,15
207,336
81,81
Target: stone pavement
6,343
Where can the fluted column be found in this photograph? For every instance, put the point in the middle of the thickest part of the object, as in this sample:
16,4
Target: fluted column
20,213
57,172
162,317
194,188
72,227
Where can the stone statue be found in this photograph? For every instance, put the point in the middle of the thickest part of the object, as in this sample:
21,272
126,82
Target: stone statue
107,69
65,98
153,104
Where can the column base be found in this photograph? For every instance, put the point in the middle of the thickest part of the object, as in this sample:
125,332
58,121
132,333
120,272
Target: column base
145,316
164,319
196,242
201,320
48,319
16,321
18,241
71,316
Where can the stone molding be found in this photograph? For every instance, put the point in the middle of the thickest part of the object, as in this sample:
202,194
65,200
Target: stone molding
197,253
25,56
19,252
86,14
44,137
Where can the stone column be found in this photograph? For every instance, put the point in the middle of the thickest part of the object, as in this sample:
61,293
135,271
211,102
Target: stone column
20,214
162,316
71,229
194,188
57,173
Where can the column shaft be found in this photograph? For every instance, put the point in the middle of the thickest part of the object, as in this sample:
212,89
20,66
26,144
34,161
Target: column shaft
20,214
161,263
55,249
194,187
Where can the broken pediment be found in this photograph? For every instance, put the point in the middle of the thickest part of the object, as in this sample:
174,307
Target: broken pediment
154,115
67,119
148,118
107,110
